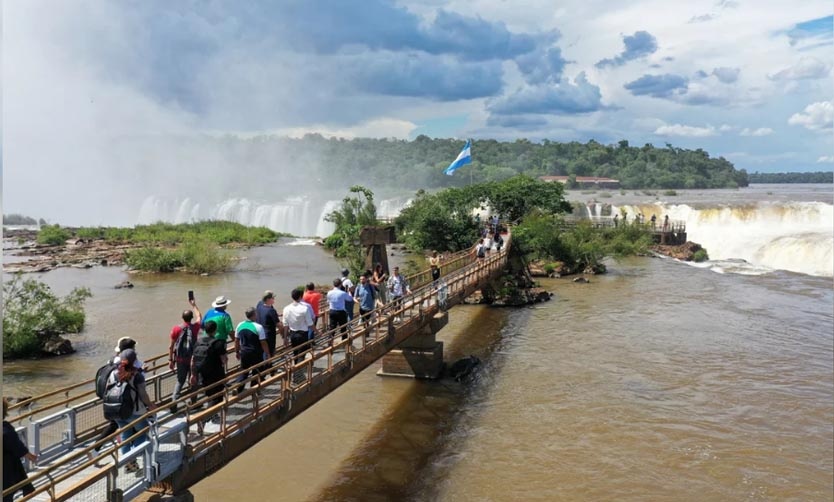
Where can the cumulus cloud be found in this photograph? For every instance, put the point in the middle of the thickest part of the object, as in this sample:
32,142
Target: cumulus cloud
703,18
805,68
726,75
425,75
564,97
543,65
522,122
761,131
826,159
816,116
685,131
641,44
658,86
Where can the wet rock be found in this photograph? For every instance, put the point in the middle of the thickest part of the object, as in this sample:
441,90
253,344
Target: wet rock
683,252
463,368
124,284
55,345
581,280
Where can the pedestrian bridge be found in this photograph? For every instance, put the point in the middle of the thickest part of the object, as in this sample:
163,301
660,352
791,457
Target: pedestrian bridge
62,426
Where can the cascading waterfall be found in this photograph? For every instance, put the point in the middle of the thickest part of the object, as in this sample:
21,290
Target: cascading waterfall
797,236
297,216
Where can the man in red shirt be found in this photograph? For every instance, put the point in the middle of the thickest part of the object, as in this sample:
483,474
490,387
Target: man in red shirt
313,297
182,346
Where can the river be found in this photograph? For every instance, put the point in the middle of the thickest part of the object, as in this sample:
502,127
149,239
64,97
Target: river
656,381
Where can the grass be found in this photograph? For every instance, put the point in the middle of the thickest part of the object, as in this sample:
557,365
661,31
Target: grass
169,234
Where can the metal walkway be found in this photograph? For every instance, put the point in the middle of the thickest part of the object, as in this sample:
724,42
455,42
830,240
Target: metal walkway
184,447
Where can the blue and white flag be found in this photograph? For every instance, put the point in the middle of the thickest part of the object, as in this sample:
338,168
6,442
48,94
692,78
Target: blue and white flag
464,157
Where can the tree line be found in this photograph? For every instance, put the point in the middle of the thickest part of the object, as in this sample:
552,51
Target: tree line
419,163
814,177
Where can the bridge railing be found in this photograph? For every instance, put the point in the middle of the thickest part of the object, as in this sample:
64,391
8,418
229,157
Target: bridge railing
291,376
672,226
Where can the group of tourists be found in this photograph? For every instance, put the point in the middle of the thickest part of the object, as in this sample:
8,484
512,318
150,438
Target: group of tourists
639,220
199,346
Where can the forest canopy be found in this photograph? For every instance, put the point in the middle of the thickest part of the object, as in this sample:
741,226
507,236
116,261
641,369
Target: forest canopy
419,163
815,177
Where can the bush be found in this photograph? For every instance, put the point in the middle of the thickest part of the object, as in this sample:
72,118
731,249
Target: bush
670,193
605,195
90,233
700,255
153,259
32,312
204,257
53,235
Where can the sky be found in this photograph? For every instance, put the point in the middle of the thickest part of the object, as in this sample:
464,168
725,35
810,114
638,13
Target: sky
750,80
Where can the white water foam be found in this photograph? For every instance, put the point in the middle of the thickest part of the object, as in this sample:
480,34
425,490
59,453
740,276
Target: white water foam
796,236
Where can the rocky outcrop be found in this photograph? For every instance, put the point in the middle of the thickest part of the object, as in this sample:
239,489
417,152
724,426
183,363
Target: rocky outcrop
684,252
55,345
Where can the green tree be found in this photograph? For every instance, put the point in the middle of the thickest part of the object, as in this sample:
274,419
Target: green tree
32,312
357,210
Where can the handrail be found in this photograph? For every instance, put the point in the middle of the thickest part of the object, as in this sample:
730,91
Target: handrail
375,331
452,262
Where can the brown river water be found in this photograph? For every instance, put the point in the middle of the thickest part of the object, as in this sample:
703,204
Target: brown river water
657,381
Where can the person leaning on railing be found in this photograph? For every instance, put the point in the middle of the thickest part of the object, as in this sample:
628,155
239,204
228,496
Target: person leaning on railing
13,451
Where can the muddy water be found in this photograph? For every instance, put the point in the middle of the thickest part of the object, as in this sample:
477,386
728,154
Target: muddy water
656,382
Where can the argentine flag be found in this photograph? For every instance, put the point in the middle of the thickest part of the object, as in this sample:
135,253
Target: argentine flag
464,157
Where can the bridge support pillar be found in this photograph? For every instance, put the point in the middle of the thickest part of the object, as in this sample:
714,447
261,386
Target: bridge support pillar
420,356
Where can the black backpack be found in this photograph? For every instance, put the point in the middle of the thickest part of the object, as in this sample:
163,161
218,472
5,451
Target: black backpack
120,399
200,353
481,251
184,347
102,375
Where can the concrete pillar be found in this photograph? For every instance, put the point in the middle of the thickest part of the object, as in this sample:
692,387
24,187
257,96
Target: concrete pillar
420,356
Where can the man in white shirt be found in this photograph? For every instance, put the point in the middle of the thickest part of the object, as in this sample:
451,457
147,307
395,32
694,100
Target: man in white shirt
298,320
397,288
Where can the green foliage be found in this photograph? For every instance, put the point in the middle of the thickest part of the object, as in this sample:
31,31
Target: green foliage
670,193
218,232
31,311
52,235
700,255
815,177
153,259
355,212
18,219
545,236
196,256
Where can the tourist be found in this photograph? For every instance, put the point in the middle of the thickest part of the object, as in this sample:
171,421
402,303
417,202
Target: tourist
397,289
267,317
434,263
336,299
616,220
298,319
666,223
218,314
13,450
250,339
495,223
129,374
625,218
183,339
653,219
366,294
487,244
347,285
313,297
499,241
480,252
208,365
380,281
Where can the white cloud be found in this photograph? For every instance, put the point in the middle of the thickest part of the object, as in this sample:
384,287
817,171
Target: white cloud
726,128
685,130
806,68
376,128
826,159
816,116
761,131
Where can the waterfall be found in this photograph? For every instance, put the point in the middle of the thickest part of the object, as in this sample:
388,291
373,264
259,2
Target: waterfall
325,228
794,236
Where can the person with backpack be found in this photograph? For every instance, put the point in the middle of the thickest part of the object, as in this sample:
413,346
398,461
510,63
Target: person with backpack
480,250
183,339
252,341
125,400
208,363
102,375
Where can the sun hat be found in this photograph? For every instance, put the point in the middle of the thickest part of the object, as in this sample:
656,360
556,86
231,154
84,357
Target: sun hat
221,301
125,342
